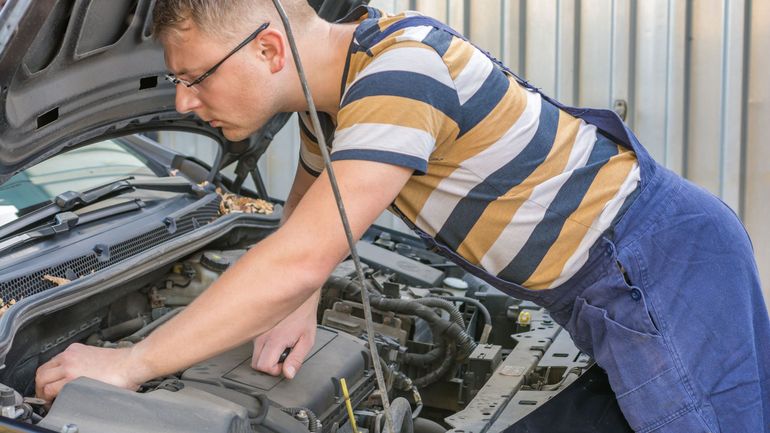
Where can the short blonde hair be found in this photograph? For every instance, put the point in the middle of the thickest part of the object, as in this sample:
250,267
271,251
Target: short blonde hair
225,19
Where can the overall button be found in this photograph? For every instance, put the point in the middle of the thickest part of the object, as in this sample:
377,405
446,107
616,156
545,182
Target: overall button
608,251
636,294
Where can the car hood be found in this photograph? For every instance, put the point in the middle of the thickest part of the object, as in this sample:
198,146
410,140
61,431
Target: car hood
75,71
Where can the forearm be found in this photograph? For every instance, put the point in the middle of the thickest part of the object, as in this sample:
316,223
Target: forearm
232,311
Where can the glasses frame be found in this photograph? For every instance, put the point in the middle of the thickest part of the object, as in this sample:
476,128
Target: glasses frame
189,84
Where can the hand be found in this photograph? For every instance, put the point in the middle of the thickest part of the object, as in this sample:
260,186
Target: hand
296,331
113,366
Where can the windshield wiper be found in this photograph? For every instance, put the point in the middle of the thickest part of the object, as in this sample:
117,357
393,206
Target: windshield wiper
66,221
71,200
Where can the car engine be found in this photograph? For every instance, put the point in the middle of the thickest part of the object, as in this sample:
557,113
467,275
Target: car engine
457,355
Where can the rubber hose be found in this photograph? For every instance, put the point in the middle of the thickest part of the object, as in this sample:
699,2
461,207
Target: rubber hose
452,331
438,325
401,412
423,359
424,425
454,313
487,329
438,373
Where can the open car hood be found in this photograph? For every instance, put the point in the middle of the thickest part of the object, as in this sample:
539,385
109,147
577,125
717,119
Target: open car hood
72,71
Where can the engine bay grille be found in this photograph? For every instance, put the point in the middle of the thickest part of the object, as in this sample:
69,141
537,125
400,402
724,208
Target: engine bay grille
34,283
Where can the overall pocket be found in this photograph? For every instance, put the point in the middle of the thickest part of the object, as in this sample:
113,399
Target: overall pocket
610,321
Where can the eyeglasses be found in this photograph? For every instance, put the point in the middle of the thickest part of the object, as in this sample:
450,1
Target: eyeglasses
190,84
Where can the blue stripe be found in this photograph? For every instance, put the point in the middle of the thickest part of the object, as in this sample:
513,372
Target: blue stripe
439,40
407,85
419,165
413,21
484,101
564,204
467,212
307,131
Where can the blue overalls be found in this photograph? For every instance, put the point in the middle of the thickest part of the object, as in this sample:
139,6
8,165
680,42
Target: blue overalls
669,303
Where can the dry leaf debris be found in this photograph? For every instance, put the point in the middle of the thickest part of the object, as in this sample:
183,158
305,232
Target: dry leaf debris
235,203
56,280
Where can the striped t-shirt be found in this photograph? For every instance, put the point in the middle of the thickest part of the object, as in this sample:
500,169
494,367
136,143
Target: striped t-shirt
504,178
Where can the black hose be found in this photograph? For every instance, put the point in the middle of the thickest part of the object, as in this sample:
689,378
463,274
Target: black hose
424,425
481,307
436,302
439,326
401,411
425,359
435,375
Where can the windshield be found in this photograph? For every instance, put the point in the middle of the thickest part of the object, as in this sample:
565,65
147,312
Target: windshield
76,170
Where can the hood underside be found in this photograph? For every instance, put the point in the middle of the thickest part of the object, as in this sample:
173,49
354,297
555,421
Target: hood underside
76,70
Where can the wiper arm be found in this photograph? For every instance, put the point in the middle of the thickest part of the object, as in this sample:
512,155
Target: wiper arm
66,221
70,200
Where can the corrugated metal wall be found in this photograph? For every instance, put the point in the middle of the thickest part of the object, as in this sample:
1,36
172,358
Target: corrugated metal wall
692,73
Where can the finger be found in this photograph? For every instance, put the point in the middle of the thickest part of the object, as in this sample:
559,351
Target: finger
51,390
294,361
259,344
268,359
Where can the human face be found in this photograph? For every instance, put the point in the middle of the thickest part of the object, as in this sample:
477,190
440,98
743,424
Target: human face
238,97
193,85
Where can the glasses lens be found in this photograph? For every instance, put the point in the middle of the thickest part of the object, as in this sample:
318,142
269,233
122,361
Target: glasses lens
176,81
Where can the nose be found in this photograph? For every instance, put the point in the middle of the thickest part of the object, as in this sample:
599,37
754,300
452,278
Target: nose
186,99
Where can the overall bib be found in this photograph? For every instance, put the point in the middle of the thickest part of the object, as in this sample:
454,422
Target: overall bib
669,303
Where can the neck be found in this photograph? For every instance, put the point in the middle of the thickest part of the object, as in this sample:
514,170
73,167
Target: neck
323,51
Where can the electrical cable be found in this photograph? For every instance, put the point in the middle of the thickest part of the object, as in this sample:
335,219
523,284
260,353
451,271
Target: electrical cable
343,216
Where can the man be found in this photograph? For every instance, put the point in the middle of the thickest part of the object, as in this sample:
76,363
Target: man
651,275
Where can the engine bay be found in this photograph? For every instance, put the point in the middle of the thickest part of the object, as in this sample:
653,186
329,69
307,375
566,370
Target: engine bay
457,354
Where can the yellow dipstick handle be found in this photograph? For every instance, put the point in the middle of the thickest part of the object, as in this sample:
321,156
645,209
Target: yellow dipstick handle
348,404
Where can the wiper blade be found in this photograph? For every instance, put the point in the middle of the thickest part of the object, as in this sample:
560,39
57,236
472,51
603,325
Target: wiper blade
71,200
66,221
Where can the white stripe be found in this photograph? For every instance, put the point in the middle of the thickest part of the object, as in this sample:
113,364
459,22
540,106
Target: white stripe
417,33
423,61
444,199
455,187
473,75
600,224
518,231
585,139
531,213
513,142
390,138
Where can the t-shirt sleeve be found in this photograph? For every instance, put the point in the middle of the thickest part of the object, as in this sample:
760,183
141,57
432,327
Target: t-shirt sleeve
397,108
309,153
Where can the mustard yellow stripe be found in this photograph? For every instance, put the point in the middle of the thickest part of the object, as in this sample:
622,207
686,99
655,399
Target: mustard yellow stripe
604,187
415,193
493,127
396,110
358,61
447,157
309,145
499,213
457,56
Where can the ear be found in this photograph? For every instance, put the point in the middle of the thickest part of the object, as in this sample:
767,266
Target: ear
271,48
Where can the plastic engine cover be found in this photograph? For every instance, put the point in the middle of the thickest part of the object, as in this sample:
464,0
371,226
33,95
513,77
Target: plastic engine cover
316,385
95,407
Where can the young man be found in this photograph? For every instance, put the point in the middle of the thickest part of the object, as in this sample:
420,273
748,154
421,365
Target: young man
651,275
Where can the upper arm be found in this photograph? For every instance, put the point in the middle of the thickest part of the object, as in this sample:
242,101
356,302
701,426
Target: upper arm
315,229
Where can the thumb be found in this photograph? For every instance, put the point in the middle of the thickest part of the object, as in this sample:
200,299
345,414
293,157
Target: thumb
293,362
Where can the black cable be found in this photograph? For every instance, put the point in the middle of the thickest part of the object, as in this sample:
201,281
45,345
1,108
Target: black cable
343,216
